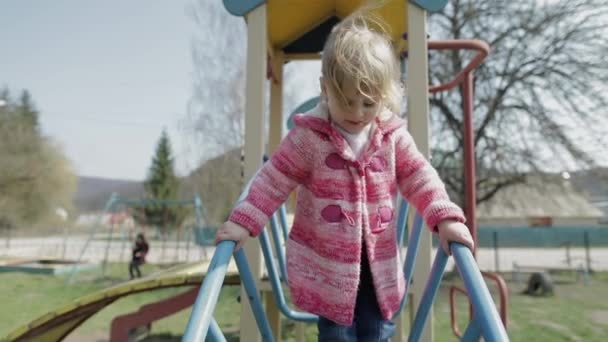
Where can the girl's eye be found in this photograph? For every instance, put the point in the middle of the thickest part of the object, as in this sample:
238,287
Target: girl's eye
368,104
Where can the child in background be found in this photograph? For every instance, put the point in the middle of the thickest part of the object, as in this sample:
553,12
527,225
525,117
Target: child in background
140,249
348,159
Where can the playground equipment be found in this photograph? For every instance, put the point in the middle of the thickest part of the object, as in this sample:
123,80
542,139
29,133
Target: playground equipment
486,321
115,202
43,266
281,31
59,323
56,325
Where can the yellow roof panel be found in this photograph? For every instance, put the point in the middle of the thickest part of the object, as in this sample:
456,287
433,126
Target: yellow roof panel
290,20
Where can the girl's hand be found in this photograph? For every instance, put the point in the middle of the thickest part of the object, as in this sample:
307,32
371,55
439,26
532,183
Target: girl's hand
454,231
230,231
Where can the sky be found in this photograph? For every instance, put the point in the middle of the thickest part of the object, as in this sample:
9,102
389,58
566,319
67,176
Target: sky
106,76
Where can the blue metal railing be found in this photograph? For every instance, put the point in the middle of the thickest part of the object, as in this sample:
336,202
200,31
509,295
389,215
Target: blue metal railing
486,321
202,311
410,256
402,221
277,289
278,246
283,220
485,315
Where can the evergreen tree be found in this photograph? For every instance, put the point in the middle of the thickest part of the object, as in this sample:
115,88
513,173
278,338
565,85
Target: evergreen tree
162,184
27,112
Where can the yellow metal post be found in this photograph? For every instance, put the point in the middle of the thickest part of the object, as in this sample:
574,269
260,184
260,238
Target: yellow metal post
254,144
276,133
418,118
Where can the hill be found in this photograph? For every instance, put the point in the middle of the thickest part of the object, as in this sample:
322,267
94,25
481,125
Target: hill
93,192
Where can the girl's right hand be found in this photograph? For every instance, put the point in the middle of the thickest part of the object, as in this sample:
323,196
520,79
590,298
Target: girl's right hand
230,231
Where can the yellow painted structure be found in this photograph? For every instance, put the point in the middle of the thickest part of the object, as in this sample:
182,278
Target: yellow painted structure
287,21
55,324
279,31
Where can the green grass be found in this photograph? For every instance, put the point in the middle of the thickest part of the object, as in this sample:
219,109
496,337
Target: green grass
576,312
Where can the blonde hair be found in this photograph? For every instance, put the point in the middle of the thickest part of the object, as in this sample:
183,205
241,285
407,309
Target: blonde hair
356,53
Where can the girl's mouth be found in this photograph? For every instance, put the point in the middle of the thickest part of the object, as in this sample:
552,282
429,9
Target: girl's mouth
356,123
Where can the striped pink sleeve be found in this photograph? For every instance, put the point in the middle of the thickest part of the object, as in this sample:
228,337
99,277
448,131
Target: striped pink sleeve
420,184
288,167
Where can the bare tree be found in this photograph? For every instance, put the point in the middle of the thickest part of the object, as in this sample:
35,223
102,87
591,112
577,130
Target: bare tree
214,123
215,120
215,111
539,98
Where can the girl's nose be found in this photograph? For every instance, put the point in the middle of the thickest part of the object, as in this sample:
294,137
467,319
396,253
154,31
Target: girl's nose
358,111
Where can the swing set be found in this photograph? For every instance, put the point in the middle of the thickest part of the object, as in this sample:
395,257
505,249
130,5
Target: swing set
116,204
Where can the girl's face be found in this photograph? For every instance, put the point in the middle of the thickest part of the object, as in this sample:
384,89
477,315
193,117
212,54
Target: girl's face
354,115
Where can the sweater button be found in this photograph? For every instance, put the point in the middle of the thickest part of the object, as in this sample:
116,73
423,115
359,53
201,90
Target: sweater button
335,162
377,164
332,213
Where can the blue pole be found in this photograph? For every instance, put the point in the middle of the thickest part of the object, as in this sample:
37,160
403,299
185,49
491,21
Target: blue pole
402,221
473,332
253,295
215,333
202,311
426,302
108,208
410,257
198,209
278,247
283,220
277,289
483,306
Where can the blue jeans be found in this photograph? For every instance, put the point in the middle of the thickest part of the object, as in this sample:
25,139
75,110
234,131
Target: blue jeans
368,325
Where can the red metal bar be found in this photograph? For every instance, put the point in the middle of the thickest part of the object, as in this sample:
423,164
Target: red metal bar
482,48
469,158
502,307
453,320
121,325
501,285
465,77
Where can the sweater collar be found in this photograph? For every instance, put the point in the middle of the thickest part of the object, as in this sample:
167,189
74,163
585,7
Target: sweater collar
318,120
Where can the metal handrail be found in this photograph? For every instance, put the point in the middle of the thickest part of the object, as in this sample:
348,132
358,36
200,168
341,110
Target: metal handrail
202,311
486,322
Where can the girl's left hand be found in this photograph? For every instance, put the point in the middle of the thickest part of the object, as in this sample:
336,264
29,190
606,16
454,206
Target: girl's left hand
454,231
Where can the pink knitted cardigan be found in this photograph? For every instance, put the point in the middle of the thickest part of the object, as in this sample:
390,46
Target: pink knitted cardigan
340,201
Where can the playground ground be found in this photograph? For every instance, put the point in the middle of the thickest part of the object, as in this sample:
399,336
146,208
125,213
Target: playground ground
574,313
170,251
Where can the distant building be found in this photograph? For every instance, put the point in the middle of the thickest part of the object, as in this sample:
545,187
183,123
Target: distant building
543,201
594,184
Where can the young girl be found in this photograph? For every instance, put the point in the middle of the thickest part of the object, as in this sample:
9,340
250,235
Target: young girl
348,158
